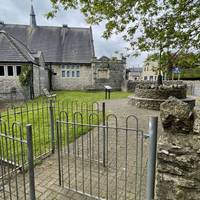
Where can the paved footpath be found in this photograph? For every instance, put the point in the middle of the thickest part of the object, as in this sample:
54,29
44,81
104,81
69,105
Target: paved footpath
46,173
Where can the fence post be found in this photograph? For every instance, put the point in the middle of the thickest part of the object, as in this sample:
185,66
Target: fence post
153,126
104,132
30,162
105,93
58,148
52,125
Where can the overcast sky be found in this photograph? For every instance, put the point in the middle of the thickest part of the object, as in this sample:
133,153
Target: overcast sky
17,12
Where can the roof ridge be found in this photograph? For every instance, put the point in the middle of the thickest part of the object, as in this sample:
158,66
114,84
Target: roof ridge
11,39
69,27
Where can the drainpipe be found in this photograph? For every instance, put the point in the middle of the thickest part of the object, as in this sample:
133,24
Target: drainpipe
50,77
32,84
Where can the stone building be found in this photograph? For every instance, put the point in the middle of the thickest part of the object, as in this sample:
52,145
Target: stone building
13,56
69,55
108,71
134,73
149,72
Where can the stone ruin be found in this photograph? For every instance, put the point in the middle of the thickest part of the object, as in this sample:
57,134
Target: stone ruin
178,154
150,96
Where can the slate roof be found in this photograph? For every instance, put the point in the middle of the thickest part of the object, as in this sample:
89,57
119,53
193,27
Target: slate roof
12,50
58,44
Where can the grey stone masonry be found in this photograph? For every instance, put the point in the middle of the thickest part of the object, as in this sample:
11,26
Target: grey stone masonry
11,83
108,71
10,87
75,82
161,93
178,156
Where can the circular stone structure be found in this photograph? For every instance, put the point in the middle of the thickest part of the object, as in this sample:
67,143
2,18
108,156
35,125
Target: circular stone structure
150,96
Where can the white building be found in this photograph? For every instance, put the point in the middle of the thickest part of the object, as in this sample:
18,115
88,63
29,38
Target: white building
150,71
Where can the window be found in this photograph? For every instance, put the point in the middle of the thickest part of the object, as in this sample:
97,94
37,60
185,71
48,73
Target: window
18,70
2,72
145,78
63,73
71,71
68,73
10,70
151,78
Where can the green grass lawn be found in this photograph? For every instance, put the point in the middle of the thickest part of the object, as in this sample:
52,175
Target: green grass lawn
36,112
82,96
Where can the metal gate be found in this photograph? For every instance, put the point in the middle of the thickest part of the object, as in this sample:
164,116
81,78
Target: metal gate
102,157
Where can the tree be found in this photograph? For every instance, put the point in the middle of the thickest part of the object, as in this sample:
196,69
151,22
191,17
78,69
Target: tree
149,25
182,60
26,78
159,26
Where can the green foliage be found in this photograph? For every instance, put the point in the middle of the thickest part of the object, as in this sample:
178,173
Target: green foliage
182,60
193,73
148,25
25,75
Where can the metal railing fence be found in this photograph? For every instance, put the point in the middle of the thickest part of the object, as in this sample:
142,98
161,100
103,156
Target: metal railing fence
42,115
15,156
96,156
107,162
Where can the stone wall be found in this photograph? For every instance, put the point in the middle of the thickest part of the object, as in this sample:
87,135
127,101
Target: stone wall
131,85
36,81
114,73
161,92
44,78
72,83
10,87
154,104
150,104
94,76
178,155
193,87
